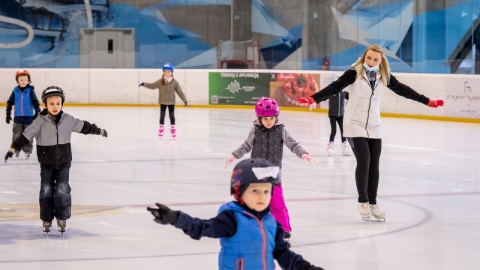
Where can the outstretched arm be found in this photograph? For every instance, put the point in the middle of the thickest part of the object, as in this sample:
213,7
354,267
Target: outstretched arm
246,145
335,87
16,145
405,91
223,225
93,129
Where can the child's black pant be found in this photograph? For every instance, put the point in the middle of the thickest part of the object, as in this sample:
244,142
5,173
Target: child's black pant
333,125
171,114
55,199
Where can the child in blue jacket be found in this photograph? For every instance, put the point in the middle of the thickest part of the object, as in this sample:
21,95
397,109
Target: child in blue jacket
250,237
26,108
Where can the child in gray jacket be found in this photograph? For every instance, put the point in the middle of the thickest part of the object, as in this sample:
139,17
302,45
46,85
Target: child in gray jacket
52,130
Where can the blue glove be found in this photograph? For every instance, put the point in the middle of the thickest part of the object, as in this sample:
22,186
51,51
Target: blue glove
141,84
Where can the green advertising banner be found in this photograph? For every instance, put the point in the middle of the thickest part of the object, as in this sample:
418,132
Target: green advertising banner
246,88
238,88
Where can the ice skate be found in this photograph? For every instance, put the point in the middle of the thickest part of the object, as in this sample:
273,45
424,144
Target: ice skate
364,211
61,225
345,150
161,130
287,236
17,154
46,226
330,149
27,155
173,131
379,215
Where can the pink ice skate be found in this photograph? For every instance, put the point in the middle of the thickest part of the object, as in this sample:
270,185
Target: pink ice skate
161,130
173,131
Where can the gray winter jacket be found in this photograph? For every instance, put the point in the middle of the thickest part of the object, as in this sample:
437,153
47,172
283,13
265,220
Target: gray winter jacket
166,91
53,137
268,143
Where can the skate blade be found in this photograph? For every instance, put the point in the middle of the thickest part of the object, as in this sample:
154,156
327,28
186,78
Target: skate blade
366,219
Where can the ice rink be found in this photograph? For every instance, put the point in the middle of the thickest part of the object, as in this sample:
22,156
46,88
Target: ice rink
429,189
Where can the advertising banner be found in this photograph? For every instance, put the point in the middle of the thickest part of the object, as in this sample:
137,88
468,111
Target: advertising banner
237,88
244,88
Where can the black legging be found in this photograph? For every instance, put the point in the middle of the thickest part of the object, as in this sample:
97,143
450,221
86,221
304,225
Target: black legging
333,124
367,152
171,114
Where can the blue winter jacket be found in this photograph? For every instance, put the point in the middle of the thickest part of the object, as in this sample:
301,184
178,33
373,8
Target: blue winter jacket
228,223
252,245
26,104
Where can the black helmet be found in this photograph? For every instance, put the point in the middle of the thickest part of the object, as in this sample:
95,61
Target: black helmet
250,171
53,91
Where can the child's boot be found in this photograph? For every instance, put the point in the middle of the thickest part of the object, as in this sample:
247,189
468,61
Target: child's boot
46,226
330,148
173,130
161,130
61,225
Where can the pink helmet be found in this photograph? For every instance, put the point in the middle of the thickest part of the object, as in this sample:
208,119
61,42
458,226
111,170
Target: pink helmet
266,107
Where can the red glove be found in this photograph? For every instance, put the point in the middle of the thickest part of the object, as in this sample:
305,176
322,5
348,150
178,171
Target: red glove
435,103
308,100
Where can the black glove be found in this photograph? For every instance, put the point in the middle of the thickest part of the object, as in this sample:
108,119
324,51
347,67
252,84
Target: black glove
141,84
9,154
163,214
307,266
9,118
98,131
186,104
35,116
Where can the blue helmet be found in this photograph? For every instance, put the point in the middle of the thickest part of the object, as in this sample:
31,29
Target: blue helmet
168,66
253,170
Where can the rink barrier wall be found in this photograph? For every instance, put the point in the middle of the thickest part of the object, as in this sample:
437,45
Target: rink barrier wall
119,87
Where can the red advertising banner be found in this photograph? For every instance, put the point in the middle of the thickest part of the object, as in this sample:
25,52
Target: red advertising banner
286,88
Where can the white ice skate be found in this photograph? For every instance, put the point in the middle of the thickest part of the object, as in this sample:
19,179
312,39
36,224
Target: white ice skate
161,129
61,225
379,215
46,226
364,210
330,149
345,150
173,131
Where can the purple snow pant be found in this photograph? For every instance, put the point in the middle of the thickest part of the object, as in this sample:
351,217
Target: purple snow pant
278,208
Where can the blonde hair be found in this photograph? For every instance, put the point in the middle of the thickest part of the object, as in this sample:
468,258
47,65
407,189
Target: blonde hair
384,66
